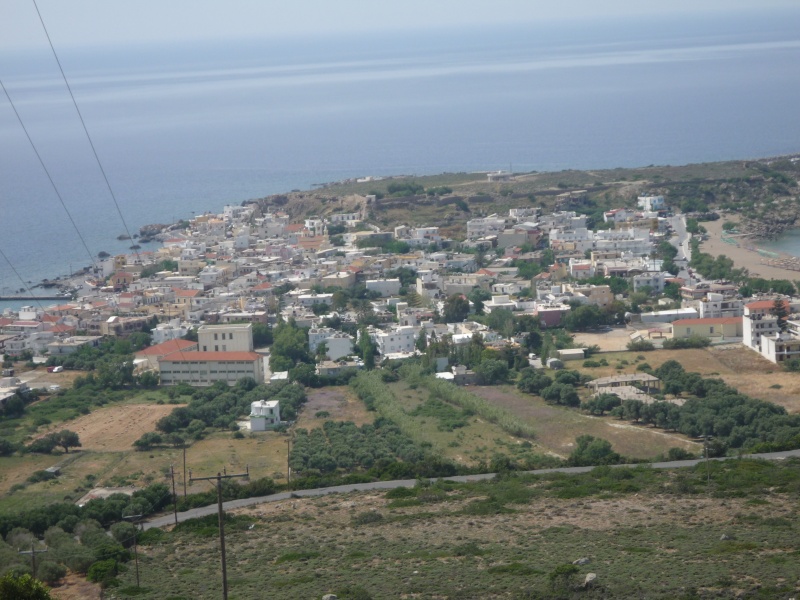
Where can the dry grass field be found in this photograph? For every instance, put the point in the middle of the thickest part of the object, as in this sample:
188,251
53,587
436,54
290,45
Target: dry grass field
557,427
115,428
738,366
340,403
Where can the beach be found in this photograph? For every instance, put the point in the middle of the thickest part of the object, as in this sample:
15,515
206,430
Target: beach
741,256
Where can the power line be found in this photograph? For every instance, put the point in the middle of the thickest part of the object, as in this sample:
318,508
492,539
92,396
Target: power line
221,514
85,129
47,172
24,285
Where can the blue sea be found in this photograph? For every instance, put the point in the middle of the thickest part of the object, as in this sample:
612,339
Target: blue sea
189,128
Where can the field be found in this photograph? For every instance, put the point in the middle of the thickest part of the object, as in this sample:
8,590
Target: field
340,403
115,428
557,427
643,533
738,366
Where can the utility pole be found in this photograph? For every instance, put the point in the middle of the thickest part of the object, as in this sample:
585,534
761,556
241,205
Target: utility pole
33,552
174,496
219,477
708,472
135,520
184,468
288,468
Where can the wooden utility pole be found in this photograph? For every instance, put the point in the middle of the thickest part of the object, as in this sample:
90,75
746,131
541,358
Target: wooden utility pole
184,469
221,514
174,496
288,468
135,520
33,552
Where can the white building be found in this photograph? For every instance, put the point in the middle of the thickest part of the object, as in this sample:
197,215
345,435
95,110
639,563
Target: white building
490,225
715,306
172,330
264,414
339,344
385,287
206,368
347,219
655,280
650,203
225,338
398,339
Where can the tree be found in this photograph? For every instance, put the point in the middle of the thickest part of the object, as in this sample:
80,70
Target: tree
422,341
592,451
67,439
23,587
456,309
781,311
491,372
6,448
367,348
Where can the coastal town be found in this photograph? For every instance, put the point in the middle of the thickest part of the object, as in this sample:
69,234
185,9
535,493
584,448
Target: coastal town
358,289
309,348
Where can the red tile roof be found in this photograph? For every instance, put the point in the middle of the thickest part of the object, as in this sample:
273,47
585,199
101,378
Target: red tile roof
762,304
211,356
168,347
709,321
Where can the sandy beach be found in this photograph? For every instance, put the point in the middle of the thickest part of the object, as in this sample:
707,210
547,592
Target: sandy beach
750,260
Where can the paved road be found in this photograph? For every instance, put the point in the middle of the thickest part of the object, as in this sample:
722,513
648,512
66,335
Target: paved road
681,242
389,485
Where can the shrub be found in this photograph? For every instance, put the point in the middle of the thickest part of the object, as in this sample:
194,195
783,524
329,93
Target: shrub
368,517
641,346
103,572
51,572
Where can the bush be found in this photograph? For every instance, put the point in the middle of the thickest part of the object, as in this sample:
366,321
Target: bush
641,346
51,572
368,517
103,572
694,341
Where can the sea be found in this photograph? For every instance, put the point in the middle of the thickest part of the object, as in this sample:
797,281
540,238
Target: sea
188,128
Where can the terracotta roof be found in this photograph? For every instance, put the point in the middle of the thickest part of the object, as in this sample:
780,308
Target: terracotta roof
212,356
168,347
761,304
62,328
187,293
294,227
709,321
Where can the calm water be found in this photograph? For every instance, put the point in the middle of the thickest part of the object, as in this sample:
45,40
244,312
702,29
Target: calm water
182,130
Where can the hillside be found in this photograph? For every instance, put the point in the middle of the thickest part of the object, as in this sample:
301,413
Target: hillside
764,191
721,530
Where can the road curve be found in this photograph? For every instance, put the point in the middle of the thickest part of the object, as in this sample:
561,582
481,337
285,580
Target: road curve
397,483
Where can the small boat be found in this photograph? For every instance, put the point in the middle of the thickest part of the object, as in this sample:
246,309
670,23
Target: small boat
93,283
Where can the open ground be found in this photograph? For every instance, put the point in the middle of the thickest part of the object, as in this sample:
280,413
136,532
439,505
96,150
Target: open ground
557,427
655,545
738,366
115,428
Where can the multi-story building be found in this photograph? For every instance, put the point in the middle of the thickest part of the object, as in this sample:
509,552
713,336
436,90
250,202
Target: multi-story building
339,344
397,339
225,338
206,368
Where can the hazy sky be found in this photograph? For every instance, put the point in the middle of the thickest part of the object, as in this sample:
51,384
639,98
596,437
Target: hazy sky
100,22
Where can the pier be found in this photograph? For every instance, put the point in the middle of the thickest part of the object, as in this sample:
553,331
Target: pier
35,298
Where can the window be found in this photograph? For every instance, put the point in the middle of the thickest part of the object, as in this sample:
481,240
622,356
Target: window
216,348
215,336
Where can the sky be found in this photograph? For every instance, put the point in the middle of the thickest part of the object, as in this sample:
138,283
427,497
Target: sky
86,23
